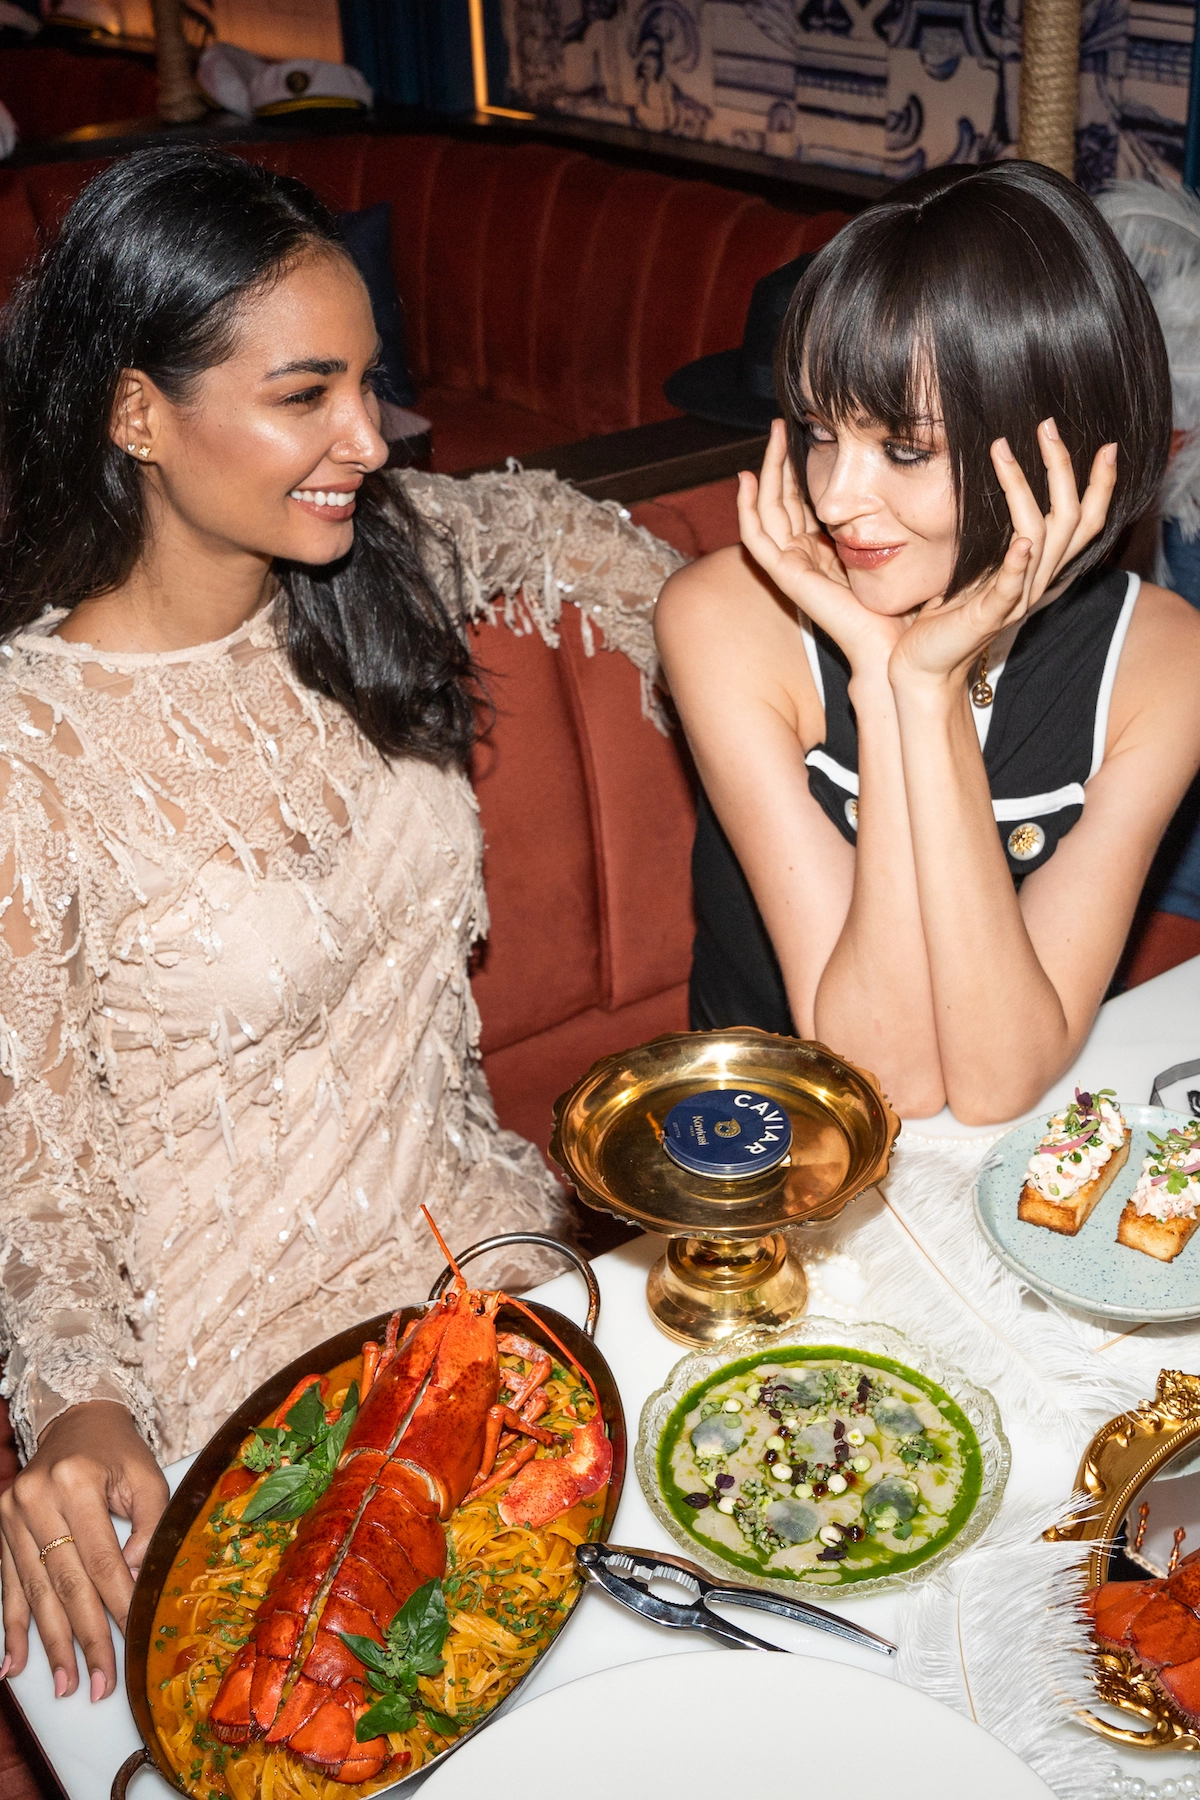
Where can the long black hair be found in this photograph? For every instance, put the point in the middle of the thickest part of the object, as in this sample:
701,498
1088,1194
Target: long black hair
1006,286
149,270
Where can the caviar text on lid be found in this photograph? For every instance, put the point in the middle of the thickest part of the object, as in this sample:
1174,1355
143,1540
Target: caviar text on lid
728,1133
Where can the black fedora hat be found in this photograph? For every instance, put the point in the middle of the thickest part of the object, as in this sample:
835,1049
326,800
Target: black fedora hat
737,387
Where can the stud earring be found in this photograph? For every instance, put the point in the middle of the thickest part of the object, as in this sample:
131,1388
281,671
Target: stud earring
137,450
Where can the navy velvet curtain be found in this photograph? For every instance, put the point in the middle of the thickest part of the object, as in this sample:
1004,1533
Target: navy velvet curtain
413,52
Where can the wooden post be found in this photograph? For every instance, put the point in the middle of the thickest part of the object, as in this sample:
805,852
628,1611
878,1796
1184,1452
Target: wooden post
179,99
1050,83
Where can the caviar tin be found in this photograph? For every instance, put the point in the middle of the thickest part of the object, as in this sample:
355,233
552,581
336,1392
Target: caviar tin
728,1133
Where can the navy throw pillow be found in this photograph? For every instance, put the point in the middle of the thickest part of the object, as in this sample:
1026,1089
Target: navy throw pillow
367,236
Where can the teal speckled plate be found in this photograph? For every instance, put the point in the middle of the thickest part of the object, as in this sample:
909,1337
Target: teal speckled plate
1090,1270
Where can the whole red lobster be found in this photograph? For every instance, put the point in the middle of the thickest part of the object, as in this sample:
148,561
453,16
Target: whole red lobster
426,1437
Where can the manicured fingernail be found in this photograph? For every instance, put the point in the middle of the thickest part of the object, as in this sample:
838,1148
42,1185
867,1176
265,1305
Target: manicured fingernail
1002,450
5,1666
60,1683
1109,454
99,1684
1050,429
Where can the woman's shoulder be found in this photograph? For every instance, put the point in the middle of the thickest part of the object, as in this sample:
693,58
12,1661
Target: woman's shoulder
1165,628
1158,679
722,626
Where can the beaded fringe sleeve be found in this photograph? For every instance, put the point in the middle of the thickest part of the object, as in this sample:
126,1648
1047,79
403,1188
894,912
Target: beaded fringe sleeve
529,542
238,1045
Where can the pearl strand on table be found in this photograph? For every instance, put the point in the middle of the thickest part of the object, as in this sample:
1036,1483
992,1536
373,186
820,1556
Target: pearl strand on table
1120,1786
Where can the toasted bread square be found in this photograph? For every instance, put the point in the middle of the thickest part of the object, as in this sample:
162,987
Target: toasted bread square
1069,1215
1163,1238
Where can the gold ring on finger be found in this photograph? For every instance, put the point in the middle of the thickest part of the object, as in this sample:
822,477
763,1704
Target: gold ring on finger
54,1544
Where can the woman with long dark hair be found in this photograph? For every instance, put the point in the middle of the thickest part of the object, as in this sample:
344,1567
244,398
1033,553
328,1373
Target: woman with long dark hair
939,735
239,854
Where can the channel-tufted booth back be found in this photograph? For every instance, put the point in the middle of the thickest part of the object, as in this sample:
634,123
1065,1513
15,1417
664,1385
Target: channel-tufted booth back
546,294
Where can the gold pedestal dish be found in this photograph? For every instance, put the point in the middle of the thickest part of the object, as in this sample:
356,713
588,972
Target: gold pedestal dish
727,1266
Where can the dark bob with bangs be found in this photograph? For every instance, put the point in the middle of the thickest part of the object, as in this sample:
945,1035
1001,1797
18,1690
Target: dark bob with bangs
1007,287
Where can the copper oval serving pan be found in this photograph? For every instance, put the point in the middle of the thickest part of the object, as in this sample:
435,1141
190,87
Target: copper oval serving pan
220,1451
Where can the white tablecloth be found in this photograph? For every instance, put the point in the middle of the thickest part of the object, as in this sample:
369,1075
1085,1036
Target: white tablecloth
1135,1037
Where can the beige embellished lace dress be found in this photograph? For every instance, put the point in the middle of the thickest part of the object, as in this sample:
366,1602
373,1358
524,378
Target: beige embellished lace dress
237,1039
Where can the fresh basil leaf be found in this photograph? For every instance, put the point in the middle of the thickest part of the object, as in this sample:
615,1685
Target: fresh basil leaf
261,1453
302,1501
368,1652
392,1713
339,1432
424,1619
275,1491
307,1418
320,1460
440,1722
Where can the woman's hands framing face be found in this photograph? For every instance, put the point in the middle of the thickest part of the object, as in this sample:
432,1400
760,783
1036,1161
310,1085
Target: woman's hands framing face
947,637
787,541
873,569
91,1461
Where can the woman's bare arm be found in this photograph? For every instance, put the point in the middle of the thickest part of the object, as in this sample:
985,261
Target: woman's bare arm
878,971
734,657
845,925
1017,981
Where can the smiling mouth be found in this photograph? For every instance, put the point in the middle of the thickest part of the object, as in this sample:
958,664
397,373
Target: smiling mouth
865,556
333,504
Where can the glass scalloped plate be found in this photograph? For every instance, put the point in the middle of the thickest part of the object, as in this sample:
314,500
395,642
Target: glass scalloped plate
972,1428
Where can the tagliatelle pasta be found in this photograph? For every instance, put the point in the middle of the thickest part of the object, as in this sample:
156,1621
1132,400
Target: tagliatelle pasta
508,1591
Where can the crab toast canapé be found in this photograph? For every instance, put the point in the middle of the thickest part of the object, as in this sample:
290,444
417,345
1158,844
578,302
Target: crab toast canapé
1163,1211
1080,1155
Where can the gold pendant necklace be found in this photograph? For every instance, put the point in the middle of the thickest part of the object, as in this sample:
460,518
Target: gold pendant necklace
982,692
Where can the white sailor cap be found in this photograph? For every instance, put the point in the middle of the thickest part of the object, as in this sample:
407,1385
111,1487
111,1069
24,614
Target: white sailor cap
303,84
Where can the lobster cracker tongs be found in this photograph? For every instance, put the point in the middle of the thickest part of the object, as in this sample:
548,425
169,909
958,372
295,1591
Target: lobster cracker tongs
626,1574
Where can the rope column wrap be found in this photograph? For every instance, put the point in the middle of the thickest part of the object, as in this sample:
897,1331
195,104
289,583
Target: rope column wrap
1050,83
179,99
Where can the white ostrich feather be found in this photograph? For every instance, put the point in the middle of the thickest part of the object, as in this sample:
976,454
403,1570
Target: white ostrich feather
922,1264
1179,496
1158,228
997,1636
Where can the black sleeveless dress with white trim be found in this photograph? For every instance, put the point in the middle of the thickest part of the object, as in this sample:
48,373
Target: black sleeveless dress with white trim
1042,737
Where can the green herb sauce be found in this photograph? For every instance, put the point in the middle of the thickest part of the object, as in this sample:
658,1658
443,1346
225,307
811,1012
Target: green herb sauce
827,1523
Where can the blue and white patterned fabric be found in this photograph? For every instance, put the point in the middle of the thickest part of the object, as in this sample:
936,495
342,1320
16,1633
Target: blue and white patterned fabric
877,87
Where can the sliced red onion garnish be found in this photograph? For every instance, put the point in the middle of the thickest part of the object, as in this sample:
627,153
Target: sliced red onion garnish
1075,1143
1188,1169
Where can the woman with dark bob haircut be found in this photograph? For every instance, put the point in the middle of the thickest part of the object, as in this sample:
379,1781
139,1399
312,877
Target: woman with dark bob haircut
939,734
239,853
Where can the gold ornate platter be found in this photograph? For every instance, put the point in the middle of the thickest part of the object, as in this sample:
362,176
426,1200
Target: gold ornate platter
726,1267
1121,1461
